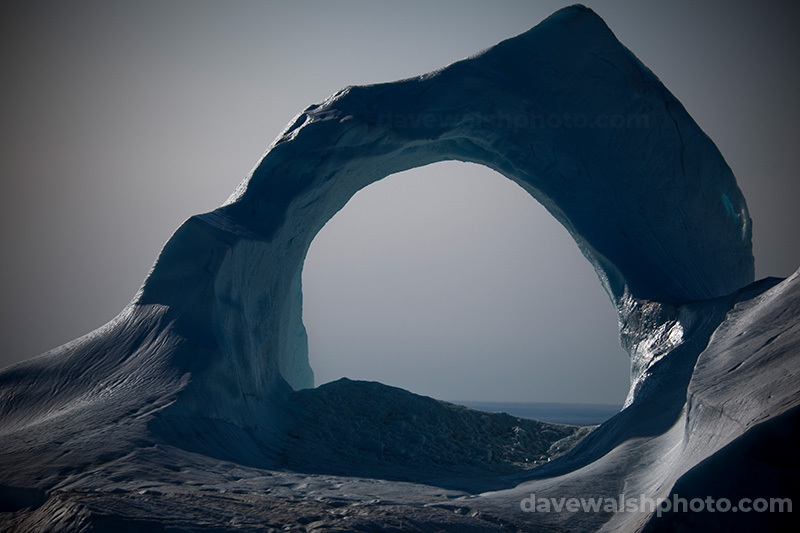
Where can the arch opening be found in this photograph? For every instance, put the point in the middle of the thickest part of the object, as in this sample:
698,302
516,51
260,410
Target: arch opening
450,281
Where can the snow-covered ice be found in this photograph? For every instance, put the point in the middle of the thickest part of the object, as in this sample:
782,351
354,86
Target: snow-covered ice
193,407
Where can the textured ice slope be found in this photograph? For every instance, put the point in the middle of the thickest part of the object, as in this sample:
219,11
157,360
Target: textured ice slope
190,388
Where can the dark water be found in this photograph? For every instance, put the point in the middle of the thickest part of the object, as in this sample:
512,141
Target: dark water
562,413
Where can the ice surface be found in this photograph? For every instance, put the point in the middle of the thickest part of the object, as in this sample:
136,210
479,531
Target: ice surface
188,406
418,439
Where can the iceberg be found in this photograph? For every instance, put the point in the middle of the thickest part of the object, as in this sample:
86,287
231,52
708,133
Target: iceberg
200,390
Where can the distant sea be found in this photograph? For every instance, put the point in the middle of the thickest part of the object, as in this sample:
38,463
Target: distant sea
583,414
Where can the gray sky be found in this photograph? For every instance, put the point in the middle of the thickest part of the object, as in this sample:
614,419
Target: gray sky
122,119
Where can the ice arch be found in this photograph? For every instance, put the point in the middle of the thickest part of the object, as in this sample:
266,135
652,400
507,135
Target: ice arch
564,110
